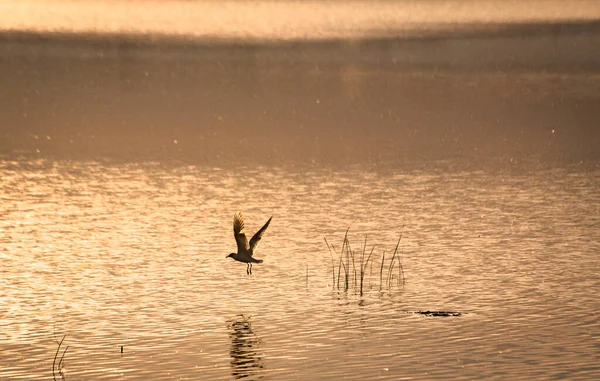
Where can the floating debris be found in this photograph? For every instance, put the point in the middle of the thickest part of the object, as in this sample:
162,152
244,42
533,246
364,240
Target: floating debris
439,313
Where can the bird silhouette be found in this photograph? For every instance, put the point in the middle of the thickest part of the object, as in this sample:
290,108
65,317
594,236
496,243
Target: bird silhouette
245,249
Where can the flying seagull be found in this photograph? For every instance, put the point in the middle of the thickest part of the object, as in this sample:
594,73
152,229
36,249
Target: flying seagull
245,250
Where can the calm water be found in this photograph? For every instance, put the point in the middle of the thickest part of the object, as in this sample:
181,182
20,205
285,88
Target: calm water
133,254
469,128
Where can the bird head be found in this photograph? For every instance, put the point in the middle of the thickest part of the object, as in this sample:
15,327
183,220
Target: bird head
230,255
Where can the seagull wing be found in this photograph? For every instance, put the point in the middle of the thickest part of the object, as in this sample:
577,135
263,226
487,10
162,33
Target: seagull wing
256,239
238,233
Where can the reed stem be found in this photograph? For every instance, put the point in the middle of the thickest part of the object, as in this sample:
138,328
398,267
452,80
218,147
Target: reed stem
56,356
348,257
381,271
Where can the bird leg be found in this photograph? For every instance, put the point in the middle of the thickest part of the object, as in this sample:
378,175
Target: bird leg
248,268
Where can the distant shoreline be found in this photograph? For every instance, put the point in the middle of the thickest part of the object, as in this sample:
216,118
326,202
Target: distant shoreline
529,46
450,31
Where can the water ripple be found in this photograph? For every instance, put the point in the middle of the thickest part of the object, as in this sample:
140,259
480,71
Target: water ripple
132,256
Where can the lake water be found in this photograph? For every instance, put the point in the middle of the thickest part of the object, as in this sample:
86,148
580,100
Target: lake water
130,134
132,254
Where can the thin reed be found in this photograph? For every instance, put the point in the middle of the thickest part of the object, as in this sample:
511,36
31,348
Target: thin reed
358,261
60,366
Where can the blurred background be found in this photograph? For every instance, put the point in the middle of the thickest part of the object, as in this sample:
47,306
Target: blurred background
296,81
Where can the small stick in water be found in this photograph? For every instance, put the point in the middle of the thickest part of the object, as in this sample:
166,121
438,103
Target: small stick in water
381,271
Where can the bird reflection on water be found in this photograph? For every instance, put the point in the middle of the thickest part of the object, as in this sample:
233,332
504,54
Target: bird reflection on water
246,361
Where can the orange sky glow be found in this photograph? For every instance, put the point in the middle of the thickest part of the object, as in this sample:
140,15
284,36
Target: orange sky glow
277,20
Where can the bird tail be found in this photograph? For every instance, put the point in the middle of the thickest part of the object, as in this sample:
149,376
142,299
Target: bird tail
259,261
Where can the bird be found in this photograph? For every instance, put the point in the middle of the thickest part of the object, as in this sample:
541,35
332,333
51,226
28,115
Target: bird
245,250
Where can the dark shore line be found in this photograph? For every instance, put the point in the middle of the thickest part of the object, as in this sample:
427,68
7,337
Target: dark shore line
538,46
441,32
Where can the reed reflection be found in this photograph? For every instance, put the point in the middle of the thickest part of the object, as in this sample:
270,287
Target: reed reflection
246,361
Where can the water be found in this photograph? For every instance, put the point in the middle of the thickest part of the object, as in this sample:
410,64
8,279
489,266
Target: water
128,142
133,254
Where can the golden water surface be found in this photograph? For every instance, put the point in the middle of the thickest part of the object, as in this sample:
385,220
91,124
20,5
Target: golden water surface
132,255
